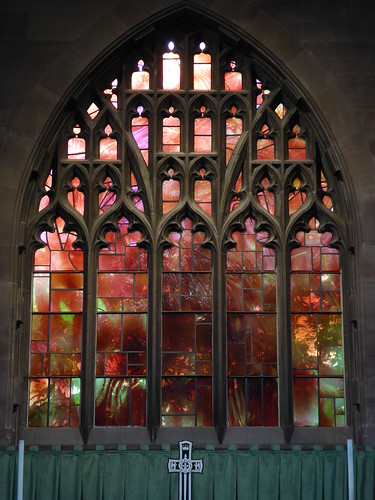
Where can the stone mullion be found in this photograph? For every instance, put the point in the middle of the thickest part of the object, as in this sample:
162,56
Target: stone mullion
154,296
284,321
89,314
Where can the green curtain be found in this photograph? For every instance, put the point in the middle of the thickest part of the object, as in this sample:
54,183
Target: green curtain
231,474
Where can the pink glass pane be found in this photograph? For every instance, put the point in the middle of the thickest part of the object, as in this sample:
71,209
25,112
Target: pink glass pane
171,71
108,149
171,194
121,330
140,134
202,71
202,135
93,111
76,148
233,81
77,198
171,134
202,195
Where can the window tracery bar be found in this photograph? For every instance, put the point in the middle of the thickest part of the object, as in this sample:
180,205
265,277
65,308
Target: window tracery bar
121,331
251,330
315,289
55,349
107,197
186,331
44,202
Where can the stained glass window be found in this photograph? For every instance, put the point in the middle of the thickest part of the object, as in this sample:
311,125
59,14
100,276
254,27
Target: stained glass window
187,261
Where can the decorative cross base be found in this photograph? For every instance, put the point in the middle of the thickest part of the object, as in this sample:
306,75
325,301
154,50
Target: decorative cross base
185,466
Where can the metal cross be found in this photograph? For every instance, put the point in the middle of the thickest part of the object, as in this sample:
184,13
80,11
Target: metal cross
184,465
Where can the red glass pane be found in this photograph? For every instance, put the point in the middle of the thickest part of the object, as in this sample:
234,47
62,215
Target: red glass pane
77,198
233,131
305,396
265,149
202,135
236,402
108,149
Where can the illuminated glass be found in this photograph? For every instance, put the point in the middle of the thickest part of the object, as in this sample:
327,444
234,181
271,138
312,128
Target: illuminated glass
202,70
296,146
233,79
202,133
251,330
233,131
265,145
140,132
171,69
186,330
76,145
121,330
108,146
56,332
140,78
317,350
171,133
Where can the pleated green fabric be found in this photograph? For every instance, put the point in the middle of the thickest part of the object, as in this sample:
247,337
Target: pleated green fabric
231,474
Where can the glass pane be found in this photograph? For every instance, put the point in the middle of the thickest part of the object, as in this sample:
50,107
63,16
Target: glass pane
171,69
140,79
171,134
202,71
140,133
233,131
202,135
77,198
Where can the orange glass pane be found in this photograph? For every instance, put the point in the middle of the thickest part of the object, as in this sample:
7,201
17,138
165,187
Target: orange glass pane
171,134
171,194
233,81
202,195
108,146
296,197
202,135
202,71
265,149
140,79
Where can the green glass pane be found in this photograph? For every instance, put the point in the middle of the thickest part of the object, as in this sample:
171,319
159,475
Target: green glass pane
330,360
112,401
327,412
339,406
329,329
331,387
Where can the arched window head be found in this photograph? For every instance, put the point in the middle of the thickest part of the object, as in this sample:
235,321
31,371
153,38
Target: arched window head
179,272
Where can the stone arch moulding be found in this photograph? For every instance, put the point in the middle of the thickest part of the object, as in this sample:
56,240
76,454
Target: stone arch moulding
276,103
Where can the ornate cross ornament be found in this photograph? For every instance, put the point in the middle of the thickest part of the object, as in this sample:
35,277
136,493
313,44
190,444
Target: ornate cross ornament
184,465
